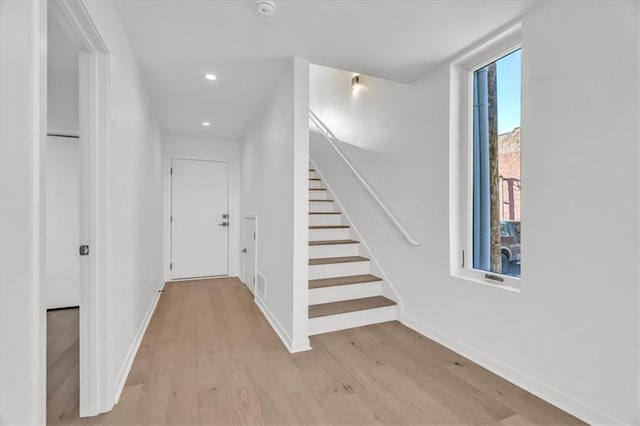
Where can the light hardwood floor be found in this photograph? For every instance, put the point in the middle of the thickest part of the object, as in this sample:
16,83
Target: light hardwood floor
62,366
210,357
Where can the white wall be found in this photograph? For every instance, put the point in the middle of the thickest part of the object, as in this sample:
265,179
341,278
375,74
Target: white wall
63,222
206,149
571,335
136,195
22,136
274,186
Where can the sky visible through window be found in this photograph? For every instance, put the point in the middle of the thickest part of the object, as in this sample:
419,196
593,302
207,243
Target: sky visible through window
508,72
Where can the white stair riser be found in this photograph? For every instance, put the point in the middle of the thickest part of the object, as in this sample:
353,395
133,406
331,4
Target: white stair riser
318,206
334,270
315,184
344,292
313,175
352,319
318,195
328,234
325,219
333,250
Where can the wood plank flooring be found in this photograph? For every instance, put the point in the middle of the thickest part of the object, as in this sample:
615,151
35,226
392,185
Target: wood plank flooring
210,357
63,379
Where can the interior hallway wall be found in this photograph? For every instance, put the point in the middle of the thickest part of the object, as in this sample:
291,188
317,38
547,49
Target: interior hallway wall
136,196
23,29
571,334
274,186
214,150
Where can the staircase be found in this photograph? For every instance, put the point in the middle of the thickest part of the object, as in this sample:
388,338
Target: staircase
342,291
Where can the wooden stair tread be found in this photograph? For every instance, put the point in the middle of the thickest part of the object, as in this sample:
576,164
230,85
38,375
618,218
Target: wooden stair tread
315,179
312,170
325,212
353,279
323,201
329,226
346,306
317,189
331,260
331,242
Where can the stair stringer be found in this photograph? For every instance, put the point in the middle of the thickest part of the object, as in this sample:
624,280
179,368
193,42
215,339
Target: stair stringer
388,289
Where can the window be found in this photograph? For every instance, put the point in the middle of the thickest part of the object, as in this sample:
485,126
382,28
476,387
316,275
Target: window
495,172
484,174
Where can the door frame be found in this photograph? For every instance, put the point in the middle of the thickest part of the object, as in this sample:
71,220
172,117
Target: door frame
253,217
97,391
169,251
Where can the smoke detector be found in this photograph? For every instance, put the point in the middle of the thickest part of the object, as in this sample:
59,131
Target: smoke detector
266,7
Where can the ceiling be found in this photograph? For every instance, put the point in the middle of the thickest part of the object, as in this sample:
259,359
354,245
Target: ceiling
176,42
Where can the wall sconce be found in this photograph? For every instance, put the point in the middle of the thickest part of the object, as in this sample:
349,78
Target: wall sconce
355,81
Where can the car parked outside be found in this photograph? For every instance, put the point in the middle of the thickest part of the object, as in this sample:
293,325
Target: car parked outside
509,244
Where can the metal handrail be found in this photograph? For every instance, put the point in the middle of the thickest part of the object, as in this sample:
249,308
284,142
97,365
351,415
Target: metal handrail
331,138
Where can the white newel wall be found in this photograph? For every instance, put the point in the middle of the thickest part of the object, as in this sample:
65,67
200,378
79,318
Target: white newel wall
571,335
274,186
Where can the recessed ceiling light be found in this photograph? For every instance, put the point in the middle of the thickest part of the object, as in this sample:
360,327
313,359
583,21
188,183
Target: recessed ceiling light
210,77
206,124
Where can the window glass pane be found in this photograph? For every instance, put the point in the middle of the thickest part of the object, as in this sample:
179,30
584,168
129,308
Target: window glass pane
496,166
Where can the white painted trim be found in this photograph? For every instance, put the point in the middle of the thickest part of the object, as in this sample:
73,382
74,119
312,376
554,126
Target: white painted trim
292,347
96,392
344,292
388,289
542,390
135,345
347,320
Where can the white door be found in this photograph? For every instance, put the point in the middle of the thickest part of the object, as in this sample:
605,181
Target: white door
250,254
63,222
200,218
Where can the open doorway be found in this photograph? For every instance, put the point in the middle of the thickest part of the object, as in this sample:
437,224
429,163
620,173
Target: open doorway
75,286
63,170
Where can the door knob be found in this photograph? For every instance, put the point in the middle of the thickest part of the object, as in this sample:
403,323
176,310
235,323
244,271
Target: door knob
243,251
224,224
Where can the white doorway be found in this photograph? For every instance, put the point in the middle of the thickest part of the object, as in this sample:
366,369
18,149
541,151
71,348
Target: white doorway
249,252
199,218
93,118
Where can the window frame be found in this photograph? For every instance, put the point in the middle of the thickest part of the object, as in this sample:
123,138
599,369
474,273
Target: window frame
461,156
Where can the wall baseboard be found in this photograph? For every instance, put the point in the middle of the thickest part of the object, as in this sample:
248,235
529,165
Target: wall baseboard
135,345
542,390
291,345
